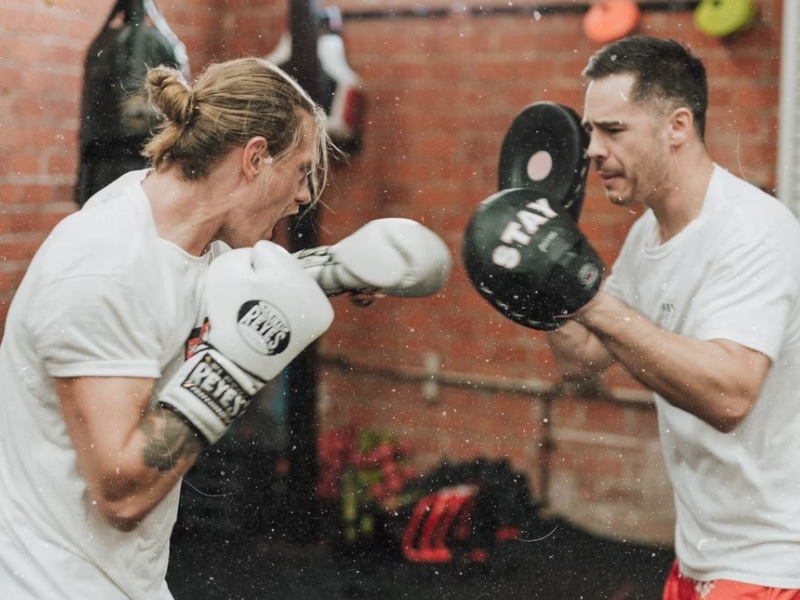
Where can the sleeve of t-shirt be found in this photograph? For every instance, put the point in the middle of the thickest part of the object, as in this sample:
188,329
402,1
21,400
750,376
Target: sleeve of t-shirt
611,285
747,298
615,284
96,325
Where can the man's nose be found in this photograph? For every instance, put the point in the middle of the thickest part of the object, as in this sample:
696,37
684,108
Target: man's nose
596,148
304,194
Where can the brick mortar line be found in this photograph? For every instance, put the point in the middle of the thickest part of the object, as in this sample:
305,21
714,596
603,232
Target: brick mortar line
529,387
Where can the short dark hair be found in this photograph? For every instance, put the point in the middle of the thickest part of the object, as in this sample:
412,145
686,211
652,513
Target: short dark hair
664,70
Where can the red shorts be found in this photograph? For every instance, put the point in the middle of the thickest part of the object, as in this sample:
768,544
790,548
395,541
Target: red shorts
679,587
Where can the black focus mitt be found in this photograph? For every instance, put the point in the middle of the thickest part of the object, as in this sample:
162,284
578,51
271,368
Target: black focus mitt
545,149
526,256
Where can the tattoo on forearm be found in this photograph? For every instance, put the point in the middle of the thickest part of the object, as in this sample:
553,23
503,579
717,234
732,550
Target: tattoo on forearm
169,439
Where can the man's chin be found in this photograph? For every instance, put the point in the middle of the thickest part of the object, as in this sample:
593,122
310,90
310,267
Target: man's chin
618,200
268,234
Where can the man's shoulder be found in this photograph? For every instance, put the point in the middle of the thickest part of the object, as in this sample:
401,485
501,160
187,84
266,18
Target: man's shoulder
100,237
751,209
735,188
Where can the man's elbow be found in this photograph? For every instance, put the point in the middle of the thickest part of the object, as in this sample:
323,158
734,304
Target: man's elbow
123,511
733,413
121,522
119,515
725,425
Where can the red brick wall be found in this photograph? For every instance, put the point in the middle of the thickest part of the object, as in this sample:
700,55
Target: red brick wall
442,91
43,46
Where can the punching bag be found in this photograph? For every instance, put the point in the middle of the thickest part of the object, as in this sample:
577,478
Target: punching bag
340,87
116,118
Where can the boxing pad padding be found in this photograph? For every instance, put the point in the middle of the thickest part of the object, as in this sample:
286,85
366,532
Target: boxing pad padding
545,149
526,256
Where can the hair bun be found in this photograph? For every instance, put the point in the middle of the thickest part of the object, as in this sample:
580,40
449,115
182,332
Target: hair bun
171,94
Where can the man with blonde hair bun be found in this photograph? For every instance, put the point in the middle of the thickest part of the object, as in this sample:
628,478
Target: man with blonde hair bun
133,342
108,391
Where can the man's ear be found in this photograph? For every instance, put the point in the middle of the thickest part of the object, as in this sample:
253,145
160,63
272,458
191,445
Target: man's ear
681,126
255,156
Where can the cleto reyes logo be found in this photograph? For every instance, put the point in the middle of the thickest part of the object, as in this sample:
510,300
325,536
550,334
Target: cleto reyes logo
214,387
520,232
264,328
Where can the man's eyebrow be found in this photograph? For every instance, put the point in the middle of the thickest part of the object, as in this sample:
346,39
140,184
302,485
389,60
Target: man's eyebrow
607,123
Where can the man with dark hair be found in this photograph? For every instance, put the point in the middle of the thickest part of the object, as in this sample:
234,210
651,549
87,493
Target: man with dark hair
703,307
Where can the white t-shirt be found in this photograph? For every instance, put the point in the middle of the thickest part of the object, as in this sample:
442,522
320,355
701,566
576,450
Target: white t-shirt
104,296
733,273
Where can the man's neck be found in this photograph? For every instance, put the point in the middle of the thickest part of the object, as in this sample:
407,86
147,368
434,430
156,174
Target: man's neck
685,194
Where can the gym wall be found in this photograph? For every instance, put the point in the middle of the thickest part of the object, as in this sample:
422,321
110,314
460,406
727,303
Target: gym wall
446,373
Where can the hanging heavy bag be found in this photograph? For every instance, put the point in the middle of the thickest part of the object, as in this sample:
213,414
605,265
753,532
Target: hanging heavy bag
116,118
340,87
345,100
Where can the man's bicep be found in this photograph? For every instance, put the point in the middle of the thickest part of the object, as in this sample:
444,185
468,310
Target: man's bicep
749,366
101,415
130,453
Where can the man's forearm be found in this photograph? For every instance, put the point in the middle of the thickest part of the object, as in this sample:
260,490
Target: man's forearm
716,380
162,450
579,354
171,443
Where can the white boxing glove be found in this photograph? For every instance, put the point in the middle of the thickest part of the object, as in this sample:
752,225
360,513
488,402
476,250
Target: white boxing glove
398,257
263,310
